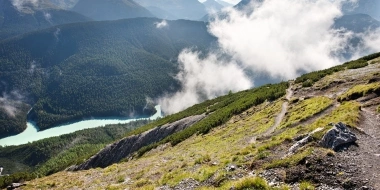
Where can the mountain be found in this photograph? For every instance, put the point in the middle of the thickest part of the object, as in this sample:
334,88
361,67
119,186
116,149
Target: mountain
111,9
181,9
212,5
22,18
224,4
64,4
160,13
243,4
307,133
95,69
357,23
369,7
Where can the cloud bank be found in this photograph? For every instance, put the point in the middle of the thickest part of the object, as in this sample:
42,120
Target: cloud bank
10,102
280,38
203,79
21,4
161,24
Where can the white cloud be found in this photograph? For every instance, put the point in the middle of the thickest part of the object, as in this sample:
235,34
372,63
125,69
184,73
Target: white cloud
372,40
21,4
57,32
10,102
32,67
161,24
203,79
47,17
280,38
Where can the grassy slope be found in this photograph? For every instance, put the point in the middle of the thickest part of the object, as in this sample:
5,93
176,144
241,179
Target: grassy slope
204,157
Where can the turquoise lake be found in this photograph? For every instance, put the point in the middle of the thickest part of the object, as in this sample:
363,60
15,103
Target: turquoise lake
32,134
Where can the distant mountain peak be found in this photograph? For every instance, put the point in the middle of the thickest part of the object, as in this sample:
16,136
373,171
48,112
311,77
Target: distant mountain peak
30,6
111,9
213,5
225,4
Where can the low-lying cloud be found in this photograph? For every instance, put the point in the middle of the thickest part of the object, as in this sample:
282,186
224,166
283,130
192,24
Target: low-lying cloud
161,24
22,4
203,79
280,38
10,102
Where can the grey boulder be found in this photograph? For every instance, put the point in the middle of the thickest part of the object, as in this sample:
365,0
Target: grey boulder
338,136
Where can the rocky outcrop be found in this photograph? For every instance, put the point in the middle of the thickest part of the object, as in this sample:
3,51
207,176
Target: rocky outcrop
302,141
337,137
117,151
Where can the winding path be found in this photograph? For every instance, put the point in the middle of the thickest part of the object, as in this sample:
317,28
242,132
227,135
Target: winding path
279,117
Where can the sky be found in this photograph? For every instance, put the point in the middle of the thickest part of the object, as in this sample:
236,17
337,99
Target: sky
233,2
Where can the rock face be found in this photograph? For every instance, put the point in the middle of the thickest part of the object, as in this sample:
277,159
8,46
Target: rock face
301,141
115,152
337,137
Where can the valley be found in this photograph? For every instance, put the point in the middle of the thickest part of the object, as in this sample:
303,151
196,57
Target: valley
225,156
189,94
32,132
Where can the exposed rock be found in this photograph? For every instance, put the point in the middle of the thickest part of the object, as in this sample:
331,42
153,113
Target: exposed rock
302,142
186,184
337,137
231,167
124,148
15,185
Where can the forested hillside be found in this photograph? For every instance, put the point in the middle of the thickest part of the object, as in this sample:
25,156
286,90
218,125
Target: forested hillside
111,9
180,9
57,153
89,69
18,20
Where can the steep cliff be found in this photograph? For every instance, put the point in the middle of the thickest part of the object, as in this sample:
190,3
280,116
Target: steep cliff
124,148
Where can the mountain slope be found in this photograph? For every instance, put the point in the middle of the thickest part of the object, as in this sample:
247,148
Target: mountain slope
95,69
357,23
160,13
225,4
64,4
110,9
251,144
181,9
369,7
14,21
212,5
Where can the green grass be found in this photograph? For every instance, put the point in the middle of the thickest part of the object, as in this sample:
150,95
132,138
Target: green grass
256,183
302,110
347,112
309,79
359,91
378,109
228,106
305,185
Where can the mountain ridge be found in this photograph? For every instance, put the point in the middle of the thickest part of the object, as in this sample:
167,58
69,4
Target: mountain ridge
13,22
225,155
110,9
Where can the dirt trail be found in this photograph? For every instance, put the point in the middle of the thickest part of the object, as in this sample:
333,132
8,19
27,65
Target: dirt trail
365,158
281,115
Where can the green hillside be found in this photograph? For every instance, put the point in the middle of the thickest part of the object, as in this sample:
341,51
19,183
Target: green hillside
245,140
97,68
110,9
14,22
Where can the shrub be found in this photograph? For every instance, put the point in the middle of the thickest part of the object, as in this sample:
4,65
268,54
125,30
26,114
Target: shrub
256,183
306,186
309,79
